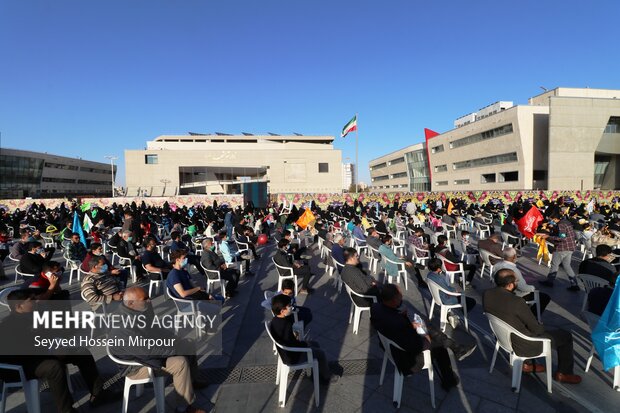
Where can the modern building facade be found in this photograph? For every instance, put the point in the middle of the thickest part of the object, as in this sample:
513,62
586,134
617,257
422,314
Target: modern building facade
564,139
402,170
348,176
221,164
26,174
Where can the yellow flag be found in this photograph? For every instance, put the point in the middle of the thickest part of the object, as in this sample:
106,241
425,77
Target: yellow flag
450,206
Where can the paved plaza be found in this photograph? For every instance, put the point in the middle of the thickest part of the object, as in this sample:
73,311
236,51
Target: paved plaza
243,377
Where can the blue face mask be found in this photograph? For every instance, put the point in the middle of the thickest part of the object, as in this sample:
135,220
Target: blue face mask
104,268
184,262
129,239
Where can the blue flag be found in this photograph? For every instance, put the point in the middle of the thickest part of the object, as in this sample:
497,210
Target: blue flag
77,228
606,334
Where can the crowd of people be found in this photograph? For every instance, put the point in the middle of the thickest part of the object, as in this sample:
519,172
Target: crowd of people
431,241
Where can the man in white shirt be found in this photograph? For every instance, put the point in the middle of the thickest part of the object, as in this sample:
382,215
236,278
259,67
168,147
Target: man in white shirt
523,289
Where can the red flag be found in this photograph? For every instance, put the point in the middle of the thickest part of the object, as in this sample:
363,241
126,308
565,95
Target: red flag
529,222
428,134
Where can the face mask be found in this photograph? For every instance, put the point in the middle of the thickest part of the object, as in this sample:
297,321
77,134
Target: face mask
184,262
212,247
129,239
97,253
104,268
40,251
466,237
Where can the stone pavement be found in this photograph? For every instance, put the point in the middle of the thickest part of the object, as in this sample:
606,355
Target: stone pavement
243,376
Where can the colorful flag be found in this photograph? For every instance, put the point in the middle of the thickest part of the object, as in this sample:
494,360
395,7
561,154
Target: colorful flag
450,207
349,127
85,207
528,224
77,228
88,224
307,218
606,334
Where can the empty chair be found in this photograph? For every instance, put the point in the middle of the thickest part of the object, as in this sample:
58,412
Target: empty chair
484,231
284,369
510,241
359,245
398,375
588,282
356,311
436,289
486,262
502,332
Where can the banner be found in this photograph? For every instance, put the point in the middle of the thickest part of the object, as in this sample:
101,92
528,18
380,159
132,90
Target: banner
529,222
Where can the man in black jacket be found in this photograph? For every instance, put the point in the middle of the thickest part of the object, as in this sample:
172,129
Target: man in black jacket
390,319
357,280
211,261
32,262
504,304
601,265
300,269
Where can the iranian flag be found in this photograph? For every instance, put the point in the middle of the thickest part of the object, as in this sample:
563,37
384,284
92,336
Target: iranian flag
349,127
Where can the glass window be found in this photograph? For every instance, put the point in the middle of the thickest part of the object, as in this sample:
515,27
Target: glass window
487,178
489,160
461,182
323,167
512,176
489,134
150,159
441,183
397,161
436,149
441,168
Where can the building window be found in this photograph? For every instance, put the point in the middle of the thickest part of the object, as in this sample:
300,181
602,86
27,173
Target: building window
380,165
323,167
489,134
441,183
489,160
59,180
441,168
381,178
487,178
400,175
397,161
512,176
150,159
436,149
461,182
61,166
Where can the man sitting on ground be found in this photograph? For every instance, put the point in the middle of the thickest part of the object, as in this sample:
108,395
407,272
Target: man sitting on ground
281,327
390,318
523,290
357,280
504,304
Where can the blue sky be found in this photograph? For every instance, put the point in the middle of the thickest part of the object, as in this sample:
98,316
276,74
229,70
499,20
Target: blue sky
92,77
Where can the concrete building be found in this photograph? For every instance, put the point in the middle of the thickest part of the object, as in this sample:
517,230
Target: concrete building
563,139
348,176
221,163
41,175
401,171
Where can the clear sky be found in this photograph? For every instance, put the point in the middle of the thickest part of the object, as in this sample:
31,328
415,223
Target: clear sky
94,77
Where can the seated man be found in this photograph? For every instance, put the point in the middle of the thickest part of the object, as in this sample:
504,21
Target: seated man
601,265
392,269
443,250
178,244
436,274
357,280
469,249
418,240
281,327
32,262
523,290
493,244
373,239
43,286
338,250
152,261
288,288
126,249
96,250
231,256
47,367
247,237
358,232
390,318
213,262
283,259
77,250
98,285
294,248
179,282
504,304
183,369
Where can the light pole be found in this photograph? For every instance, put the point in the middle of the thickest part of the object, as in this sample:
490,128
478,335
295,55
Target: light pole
112,158
165,182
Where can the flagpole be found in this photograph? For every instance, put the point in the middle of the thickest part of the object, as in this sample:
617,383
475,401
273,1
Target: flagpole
357,167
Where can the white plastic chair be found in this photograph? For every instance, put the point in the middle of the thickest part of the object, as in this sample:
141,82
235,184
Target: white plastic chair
153,282
95,307
483,230
436,291
450,230
460,271
510,241
18,273
338,267
211,281
373,259
592,320
4,294
158,384
402,271
357,244
423,260
126,264
187,308
503,332
536,301
284,270
588,282
48,240
284,369
31,389
398,376
356,311
486,262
